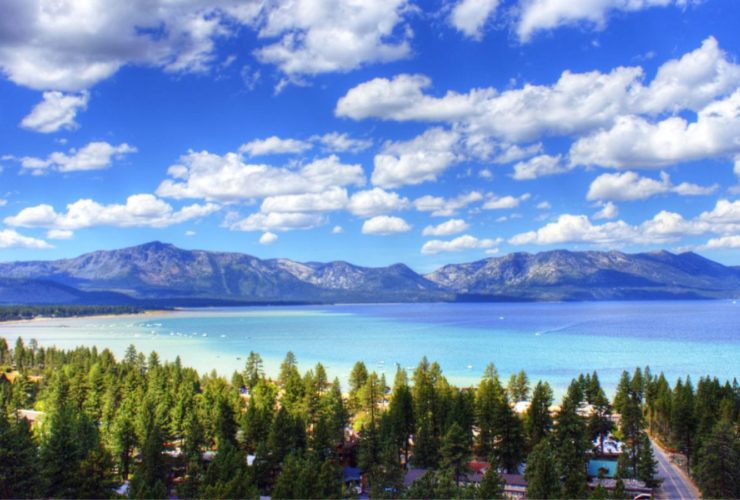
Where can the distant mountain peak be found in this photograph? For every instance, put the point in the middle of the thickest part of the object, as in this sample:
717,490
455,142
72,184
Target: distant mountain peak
162,270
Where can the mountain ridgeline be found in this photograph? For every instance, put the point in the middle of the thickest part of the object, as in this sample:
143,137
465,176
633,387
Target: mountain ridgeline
159,273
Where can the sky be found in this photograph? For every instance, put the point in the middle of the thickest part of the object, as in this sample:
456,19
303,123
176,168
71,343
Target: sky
371,131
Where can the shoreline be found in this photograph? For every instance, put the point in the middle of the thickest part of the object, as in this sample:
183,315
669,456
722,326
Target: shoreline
41,319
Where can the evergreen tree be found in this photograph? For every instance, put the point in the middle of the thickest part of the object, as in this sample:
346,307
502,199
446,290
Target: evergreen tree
492,485
18,456
647,466
518,386
538,421
717,469
570,439
253,370
543,478
455,451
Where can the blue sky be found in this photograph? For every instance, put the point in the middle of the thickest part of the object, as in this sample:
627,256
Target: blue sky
370,131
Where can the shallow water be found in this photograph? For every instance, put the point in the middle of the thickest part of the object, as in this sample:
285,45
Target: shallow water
551,341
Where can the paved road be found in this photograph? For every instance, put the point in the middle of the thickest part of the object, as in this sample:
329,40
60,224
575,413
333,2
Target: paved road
676,485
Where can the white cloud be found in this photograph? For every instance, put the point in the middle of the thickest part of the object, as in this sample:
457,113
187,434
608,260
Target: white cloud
59,234
576,103
335,142
540,166
402,99
452,226
72,45
575,229
465,242
723,219
140,210
384,225
3,202
93,156
268,238
627,186
608,211
421,159
736,168
544,205
57,111
635,142
333,36
276,221
228,178
722,242
274,145
9,238
441,207
337,230
537,15
190,233
505,202
332,199
692,81
376,202
469,16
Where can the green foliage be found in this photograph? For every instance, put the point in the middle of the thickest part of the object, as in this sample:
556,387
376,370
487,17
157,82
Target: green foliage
718,465
543,477
18,456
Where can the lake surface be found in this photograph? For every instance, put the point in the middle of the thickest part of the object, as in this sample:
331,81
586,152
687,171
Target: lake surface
551,341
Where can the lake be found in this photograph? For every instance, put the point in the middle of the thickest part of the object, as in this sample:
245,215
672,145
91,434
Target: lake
551,341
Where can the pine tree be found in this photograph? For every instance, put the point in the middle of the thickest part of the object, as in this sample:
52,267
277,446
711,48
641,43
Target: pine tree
455,451
18,456
543,478
492,485
253,370
570,439
647,466
538,421
717,469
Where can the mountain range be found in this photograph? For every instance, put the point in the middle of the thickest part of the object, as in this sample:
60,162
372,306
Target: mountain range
160,273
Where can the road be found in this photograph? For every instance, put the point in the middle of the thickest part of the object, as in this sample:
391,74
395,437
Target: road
676,485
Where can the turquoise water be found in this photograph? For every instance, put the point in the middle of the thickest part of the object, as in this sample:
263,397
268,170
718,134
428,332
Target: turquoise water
595,464
551,341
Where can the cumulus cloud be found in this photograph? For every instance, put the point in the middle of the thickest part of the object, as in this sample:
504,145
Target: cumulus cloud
276,221
421,159
447,228
465,242
335,142
544,205
540,166
665,226
274,145
268,238
331,36
334,198
140,210
722,242
71,46
538,15
384,225
608,211
505,202
446,207
227,178
469,16
337,230
628,186
576,103
55,112
636,142
94,156
376,202
9,238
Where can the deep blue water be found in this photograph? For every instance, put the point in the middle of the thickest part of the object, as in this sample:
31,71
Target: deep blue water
551,341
